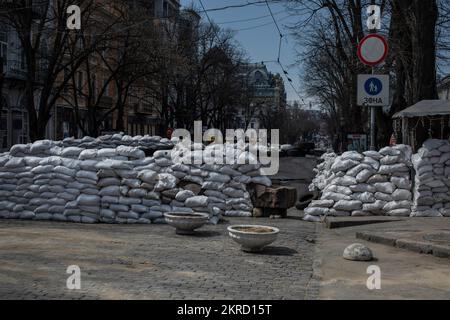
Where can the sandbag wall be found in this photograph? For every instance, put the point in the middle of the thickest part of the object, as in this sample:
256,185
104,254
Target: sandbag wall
432,180
372,183
46,181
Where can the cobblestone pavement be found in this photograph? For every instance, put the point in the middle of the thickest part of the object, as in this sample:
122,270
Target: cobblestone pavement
151,262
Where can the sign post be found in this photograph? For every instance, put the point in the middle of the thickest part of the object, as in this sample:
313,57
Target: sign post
373,90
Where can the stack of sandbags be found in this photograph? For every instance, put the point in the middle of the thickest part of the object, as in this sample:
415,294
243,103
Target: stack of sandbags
372,183
118,139
432,179
71,147
323,172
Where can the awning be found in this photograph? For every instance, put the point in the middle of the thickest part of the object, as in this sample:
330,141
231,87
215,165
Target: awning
425,108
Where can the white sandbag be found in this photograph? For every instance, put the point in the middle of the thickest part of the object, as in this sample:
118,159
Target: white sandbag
402,183
394,205
383,196
15,163
389,151
217,177
262,180
137,193
373,154
88,200
432,144
339,189
345,181
385,187
343,165
377,178
363,188
210,185
197,201
364,175
335,196
235,213
310,218
71,152
322,203
371,162
395,168
88,154
165,181
377,206
184,195
401,195
234,193
86,175
352,155
356,170
130,152
317,211
399,213
106,153
41,146
148,176
364,197
111,191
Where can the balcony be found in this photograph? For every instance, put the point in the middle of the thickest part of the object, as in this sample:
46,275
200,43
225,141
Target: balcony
15,71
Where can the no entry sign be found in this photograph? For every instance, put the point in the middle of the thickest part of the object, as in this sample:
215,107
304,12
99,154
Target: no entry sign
373,50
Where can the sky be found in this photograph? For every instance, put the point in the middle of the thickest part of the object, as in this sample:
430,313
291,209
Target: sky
261,38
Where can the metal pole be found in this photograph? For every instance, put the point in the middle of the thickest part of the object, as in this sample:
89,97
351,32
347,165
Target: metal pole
372,124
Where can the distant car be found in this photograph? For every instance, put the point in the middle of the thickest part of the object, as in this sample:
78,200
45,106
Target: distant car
269,149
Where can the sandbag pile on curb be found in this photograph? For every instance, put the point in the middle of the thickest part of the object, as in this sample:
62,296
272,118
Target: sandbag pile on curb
372,183
432,179
118,185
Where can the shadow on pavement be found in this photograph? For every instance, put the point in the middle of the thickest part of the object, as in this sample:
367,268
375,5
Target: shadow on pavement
278,251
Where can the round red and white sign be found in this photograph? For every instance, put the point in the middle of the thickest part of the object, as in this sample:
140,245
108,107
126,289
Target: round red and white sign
373,50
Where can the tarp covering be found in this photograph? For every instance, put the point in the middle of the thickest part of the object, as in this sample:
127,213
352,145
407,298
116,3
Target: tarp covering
425,108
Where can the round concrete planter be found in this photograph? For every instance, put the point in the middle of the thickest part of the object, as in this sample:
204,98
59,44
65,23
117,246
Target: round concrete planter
253,238
186,223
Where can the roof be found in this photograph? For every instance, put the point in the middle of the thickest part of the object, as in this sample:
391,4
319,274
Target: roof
425,108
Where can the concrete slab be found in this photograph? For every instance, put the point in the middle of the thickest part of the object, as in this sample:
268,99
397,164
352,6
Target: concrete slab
404,274
426,242
344,222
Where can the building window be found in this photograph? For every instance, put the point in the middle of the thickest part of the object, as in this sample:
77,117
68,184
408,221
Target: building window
165,9
94,86
106,83
22,59
259,78
4,46
80,81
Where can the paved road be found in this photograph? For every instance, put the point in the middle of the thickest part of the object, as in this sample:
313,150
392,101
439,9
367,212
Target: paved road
151,262
296,172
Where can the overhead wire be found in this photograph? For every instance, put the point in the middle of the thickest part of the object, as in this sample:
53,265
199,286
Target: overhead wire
280,43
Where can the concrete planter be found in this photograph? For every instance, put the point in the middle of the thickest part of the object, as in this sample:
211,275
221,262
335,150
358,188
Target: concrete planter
186,223
253,238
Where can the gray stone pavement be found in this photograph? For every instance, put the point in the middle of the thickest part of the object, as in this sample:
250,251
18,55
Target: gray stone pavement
151,262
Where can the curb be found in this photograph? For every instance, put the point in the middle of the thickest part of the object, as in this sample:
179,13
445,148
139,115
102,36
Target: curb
410,245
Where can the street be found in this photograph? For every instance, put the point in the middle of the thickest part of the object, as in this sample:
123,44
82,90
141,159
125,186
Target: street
151,262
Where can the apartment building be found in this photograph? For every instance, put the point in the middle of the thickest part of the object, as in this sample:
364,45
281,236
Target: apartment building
141,111
269,96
